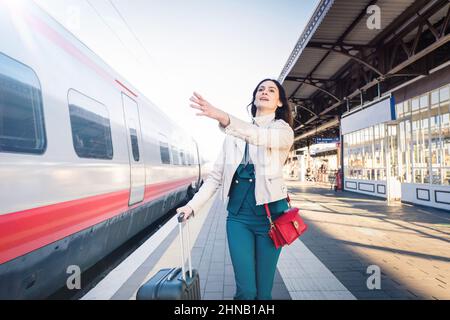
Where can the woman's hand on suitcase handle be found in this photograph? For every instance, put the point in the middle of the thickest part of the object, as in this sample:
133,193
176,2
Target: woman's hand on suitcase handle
184,213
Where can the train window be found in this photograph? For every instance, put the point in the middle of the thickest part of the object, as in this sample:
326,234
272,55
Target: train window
134,144
22,127
175,156
91,129
188,158
194,153
182,158
164,152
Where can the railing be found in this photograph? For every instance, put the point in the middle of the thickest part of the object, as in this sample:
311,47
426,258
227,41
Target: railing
328,176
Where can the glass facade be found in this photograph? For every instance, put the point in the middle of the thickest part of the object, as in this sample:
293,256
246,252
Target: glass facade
424,138
418,145
364,153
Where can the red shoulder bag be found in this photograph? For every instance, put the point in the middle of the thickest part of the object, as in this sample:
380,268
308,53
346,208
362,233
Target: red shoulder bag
287,227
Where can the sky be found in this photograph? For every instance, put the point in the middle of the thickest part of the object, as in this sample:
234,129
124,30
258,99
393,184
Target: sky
169,48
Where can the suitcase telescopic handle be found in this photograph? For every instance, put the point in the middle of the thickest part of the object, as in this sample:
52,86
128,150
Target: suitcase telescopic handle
181,221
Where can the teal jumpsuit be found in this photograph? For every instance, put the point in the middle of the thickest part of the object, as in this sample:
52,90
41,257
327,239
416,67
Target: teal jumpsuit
253,254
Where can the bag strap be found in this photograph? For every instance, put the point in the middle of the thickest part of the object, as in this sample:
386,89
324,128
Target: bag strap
288,199
269,216
266,206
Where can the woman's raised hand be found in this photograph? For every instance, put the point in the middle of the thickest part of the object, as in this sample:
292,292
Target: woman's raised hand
208,109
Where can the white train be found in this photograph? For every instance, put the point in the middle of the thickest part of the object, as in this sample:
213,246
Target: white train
86,161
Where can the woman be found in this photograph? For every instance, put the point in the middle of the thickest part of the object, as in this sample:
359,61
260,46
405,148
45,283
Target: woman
249,172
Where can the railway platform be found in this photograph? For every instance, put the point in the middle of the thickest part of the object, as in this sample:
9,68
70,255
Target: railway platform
350,235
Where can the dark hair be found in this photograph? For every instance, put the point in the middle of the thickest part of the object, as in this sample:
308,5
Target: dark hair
284,112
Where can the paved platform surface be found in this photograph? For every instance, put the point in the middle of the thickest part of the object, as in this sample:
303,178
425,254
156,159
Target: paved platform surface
347,234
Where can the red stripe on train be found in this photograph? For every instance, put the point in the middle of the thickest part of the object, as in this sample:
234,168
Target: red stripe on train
24,231
126,88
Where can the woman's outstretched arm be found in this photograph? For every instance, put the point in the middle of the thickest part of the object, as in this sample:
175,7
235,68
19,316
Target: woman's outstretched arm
279,136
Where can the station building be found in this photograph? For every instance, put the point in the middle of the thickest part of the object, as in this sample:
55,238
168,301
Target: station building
376,75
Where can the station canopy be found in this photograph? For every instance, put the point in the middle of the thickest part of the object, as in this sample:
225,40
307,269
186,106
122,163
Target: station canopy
343,60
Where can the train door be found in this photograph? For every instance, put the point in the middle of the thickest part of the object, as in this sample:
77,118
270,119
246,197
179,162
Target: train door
135,149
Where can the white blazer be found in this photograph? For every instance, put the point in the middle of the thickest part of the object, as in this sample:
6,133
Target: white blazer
270,141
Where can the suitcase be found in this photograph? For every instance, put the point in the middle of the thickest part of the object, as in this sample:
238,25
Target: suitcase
173,283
